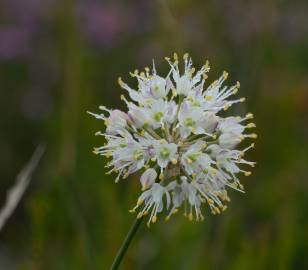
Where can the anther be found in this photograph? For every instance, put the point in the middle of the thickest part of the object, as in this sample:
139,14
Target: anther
251,125
247,173
174,161
175,56
120,82
154,219
225,75
249,116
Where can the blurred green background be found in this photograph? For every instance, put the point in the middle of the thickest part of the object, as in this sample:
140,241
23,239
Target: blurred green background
60,58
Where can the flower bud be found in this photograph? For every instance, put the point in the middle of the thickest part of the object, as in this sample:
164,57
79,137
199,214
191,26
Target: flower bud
148,178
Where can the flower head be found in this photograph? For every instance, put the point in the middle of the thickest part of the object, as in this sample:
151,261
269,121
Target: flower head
175,132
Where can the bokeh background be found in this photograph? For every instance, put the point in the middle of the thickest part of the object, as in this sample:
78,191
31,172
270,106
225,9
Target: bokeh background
60,58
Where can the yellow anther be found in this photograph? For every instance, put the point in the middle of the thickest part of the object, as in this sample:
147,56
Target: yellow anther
167,58
140,215
162,141
251,125
225,75
205,76
153,159
226,107
208,98
147,69
242,99
139,202
175,56
132,211
210,201
247,173
122,97
154,219
235,91
185,56
238,84
217,210
174,93
161,176
142,74
249,116
136,72
120,82
190,217
241,186
224,208
167,218
174,161
253,136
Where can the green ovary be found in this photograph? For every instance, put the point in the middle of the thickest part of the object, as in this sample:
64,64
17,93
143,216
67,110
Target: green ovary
164,153
158,116
189,122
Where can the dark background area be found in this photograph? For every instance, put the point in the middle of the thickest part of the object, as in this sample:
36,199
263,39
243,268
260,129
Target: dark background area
59,59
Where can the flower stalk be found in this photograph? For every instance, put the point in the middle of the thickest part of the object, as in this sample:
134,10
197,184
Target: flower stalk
129,237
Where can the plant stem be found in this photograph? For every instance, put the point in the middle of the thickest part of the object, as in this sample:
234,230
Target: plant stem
126,244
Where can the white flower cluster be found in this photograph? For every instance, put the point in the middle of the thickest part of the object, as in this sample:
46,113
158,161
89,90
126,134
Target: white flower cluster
174,132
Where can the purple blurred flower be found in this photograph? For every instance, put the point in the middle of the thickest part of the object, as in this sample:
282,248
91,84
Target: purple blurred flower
14,42
27,12
108,24
21,21
293,25
102,23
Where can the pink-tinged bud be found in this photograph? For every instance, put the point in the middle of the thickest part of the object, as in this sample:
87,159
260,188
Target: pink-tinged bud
147,179
210,122
118,115
116,121
229,140
138,117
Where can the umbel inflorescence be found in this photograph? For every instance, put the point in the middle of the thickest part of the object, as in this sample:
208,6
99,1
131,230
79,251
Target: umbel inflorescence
174,132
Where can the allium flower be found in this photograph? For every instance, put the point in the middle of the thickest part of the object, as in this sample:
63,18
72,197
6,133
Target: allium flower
175,132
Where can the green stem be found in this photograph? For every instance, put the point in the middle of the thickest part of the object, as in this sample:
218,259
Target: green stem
126,244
